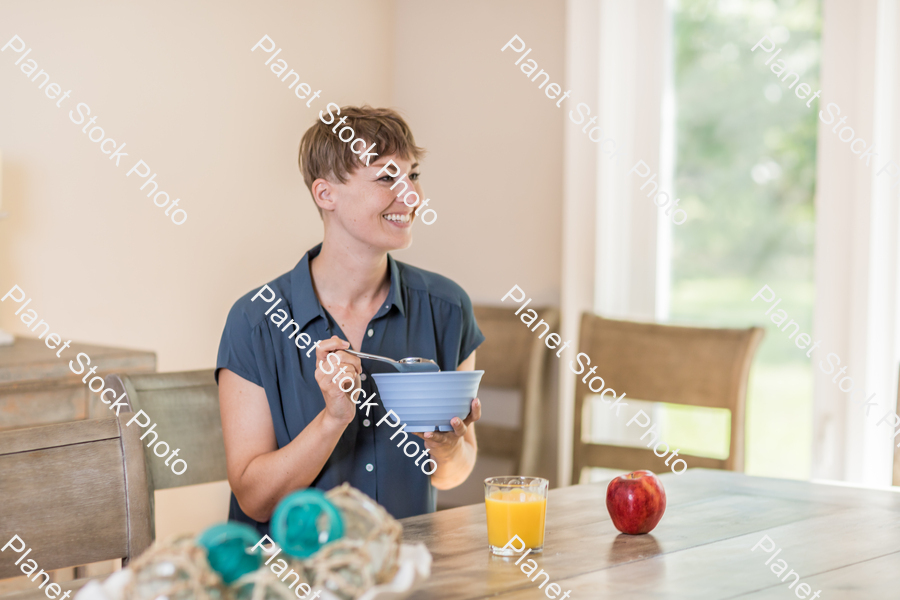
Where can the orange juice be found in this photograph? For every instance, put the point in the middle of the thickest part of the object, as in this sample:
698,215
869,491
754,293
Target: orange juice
516,513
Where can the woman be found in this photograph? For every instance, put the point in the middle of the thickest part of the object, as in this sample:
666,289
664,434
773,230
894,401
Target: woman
286,423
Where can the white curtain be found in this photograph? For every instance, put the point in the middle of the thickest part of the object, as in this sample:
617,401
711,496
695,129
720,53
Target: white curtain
857,266
617,63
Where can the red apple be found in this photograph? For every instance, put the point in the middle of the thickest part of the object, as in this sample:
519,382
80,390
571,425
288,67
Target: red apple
636,502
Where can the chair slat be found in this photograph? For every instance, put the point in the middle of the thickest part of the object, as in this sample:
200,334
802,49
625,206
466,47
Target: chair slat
165,381
664,363
633,459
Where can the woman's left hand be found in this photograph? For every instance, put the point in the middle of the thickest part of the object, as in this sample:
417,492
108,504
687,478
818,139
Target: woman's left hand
442,446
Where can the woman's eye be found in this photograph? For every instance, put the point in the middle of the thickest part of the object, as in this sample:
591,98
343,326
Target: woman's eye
389,178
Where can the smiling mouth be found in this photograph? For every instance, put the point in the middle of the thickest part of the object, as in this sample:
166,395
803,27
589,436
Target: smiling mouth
398,218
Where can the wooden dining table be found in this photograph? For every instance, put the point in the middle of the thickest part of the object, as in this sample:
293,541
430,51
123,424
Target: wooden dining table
843,542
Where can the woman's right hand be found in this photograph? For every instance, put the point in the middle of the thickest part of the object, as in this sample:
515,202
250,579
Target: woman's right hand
329,362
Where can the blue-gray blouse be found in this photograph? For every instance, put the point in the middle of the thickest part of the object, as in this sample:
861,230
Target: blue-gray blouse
425,315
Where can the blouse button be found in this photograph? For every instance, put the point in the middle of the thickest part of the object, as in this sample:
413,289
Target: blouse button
362,376
370,467
371,332
366,423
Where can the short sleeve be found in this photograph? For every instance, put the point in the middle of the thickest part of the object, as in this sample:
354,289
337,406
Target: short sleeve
236,347
470,335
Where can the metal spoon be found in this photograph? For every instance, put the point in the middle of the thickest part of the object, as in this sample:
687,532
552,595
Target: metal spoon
404,365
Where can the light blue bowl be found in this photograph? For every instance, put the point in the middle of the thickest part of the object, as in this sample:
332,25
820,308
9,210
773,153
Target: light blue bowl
428,401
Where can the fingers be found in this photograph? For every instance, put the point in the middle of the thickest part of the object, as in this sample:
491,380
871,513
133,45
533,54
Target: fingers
459,427
327,347
334,345
347,359
443,437
475,413
331,344
335,367
351,361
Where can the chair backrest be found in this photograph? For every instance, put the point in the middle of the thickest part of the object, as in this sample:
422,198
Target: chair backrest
664,363
513,356
185,407
76,493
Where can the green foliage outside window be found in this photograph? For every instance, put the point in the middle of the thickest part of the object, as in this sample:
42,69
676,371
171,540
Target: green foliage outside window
745,173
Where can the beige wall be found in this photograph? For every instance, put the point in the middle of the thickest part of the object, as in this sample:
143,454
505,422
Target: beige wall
494,166
177,82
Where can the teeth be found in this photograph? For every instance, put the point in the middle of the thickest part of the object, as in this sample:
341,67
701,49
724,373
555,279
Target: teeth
397,218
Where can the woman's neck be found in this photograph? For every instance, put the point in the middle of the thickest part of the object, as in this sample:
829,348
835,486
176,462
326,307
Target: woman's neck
350,275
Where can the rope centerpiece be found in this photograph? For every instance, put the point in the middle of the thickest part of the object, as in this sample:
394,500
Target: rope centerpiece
341,541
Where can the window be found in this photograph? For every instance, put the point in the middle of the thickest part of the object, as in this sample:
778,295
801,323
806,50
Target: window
745,170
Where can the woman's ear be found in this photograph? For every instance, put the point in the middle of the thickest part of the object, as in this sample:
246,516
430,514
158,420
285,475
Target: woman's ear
323,194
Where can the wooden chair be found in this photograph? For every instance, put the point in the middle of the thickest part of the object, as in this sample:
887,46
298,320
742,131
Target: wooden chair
513,356
185,407
664,363
75,493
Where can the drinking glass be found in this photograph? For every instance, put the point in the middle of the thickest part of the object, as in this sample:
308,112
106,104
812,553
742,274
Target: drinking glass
516,506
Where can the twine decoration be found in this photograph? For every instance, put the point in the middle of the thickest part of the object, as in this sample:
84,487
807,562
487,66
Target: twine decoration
177,569
367,555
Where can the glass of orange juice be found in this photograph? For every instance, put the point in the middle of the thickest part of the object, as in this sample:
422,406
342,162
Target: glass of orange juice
516,506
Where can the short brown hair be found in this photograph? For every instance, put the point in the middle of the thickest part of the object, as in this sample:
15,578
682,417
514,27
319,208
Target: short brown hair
323,155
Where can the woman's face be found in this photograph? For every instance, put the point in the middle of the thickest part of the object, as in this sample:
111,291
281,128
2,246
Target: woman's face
370,211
